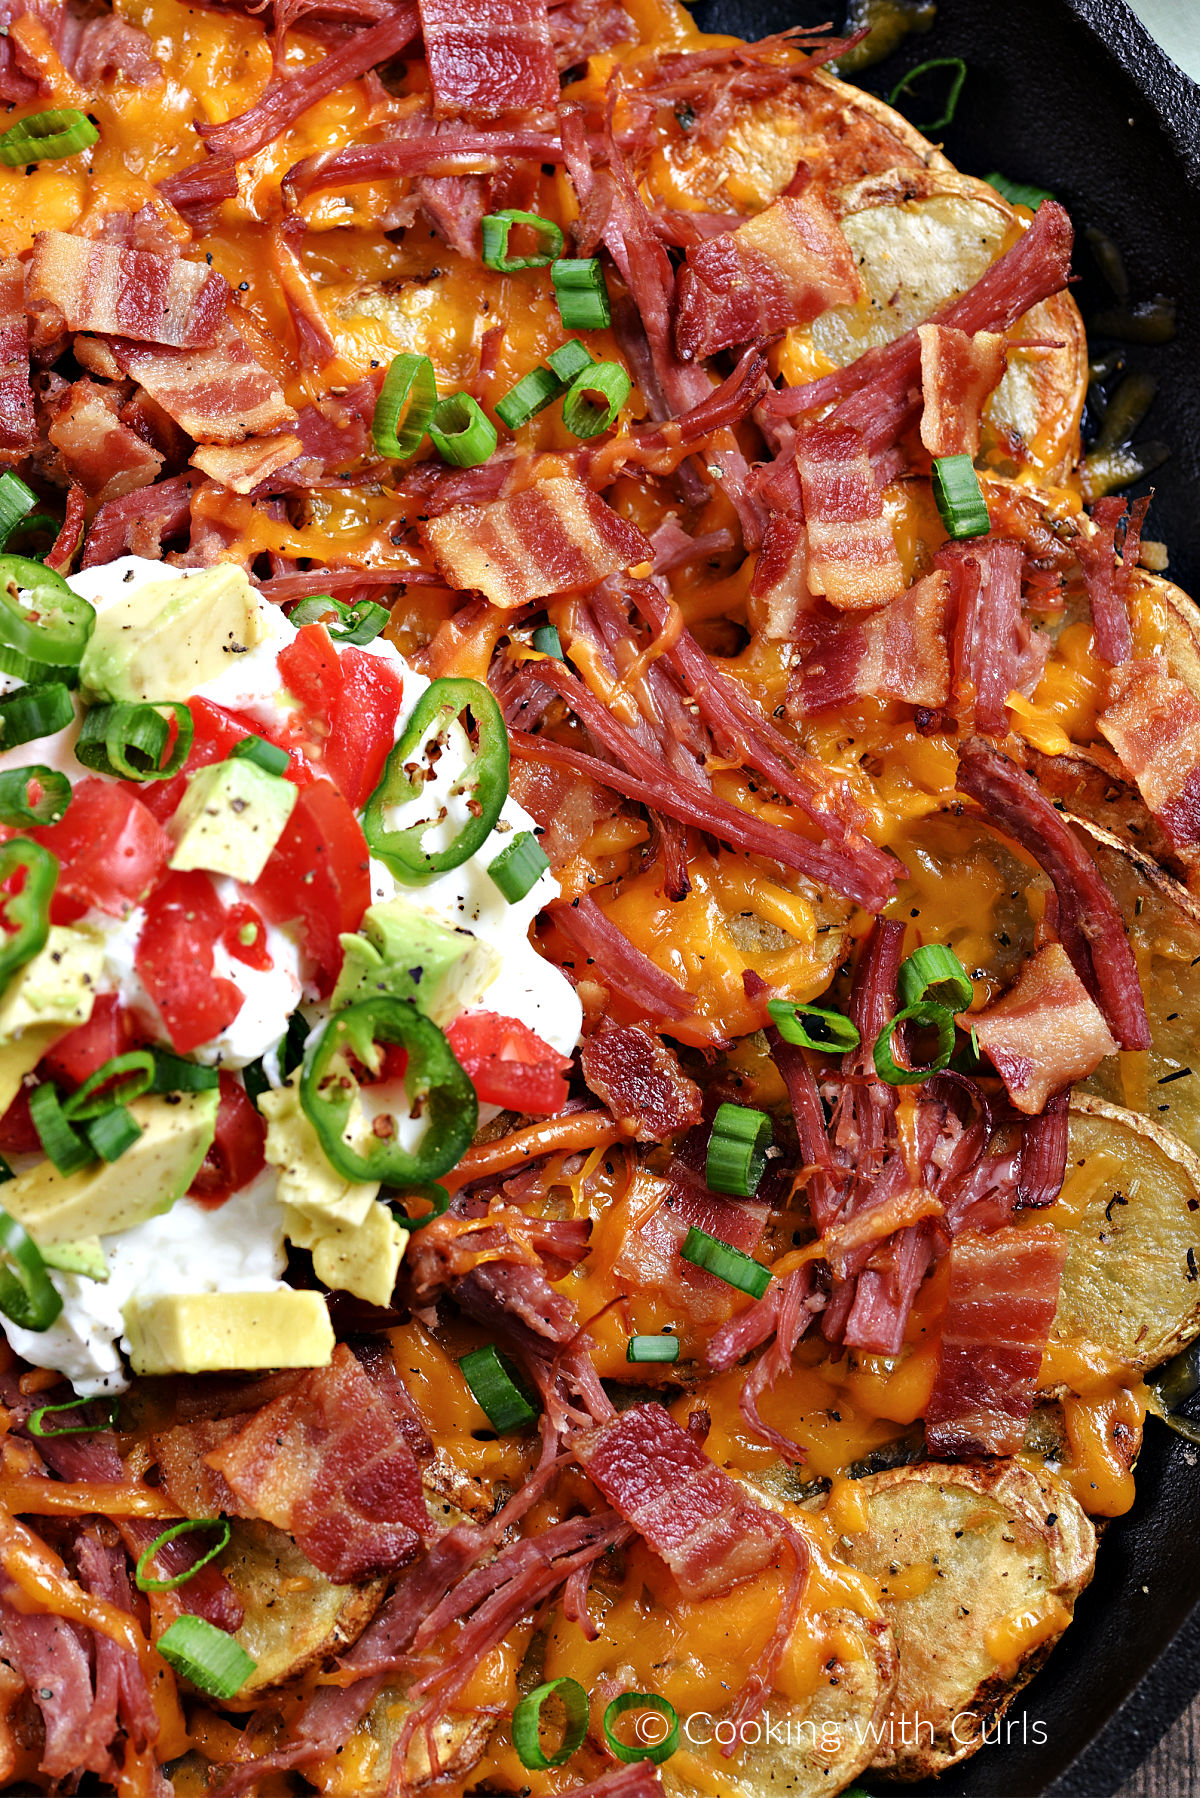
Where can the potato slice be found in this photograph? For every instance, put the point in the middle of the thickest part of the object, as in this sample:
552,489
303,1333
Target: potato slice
294,1615
980,1567
361,1767
1130,1206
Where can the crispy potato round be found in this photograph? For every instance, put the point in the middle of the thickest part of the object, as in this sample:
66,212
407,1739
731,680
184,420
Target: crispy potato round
1130,1207
980,1567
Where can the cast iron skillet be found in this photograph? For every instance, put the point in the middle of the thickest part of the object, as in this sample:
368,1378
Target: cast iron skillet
1074,96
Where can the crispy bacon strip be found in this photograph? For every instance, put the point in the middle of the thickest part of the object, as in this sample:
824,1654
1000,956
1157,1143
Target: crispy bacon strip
16,395
650,1258
899,652
1045,1033
783,267
1107,576
103,455
219,394
781,575
958,371
82,284
491,57
639,1078
558,537
328,1463
1003,1296
1089,923
242,466
1152,721
852,558
287,97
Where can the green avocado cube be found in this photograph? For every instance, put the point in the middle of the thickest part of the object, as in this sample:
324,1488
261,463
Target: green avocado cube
84,1257
405,952
220,1332
171,636
230,819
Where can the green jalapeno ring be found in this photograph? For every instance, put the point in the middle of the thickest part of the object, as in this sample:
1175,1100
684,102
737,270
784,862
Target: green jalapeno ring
484,782
25,914
55,626
433,1080
27,1294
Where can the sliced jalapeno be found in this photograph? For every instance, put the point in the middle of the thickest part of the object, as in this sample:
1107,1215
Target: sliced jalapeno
27,1294
44,626
28,873
479,792
437,1088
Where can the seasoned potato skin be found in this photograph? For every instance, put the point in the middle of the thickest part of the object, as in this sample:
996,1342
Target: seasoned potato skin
967,1549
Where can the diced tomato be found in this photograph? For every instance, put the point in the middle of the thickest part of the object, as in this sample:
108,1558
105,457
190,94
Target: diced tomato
236,1153
216,733
111,1030
508,1064
110,847
245,937
318,872
17,1134
350,702
184,919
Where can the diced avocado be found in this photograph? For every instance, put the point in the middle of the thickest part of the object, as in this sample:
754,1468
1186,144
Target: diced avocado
223,1332
360,1258
177,1129
230,819
404,952
169,637
306,1180
84,1257
47,997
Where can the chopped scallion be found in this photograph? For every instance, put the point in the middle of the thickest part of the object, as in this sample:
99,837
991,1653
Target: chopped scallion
143,1581
133,1073
547,641
496,229
45,805
813,1027
36,1427
934,1017
595,399
1018,193
205,1655
129,742
652,1348
114,1131
737,1149
959,497
461,432
531,395
267,756
519,866
404,407
494,1383
62,1143
173,1074
17,501
569,360
527,1723
953,90
582,294
727,1263
35,712
934,975
27,1294
47,137
652,1744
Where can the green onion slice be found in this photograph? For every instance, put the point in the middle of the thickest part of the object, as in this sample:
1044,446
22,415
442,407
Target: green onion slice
547,641
498,1389
934,975
61,1142
727,1263
527,1722
737,1149
519,866
359,624
404,407
1018,193
531,395
27,1294
34,795
145,1584
934,1016
47,137
496,228
134,1074
813,1027
461,432
200,1652
128,742
959,497
652,1348
596,397
174,1074
950,104
17,501
35,712
114,1131
582,294
658,1751
267,756
569,360
36,1427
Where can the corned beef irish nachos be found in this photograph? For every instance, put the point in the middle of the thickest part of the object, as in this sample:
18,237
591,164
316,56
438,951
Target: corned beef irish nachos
599,813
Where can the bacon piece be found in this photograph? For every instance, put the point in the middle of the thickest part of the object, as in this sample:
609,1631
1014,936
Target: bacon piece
566,807
1089,924
491,57
1043,1163
1152,721
1107,577
17,429
618,963
138,524
65,548
640,1080
83,284
898,652
1044,1033
650,1259
1003,1296
558,537
288,96
220,394
655,1474
957,374
328,1463
104,456
991,637
852,558
242,466
783,267
781,575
